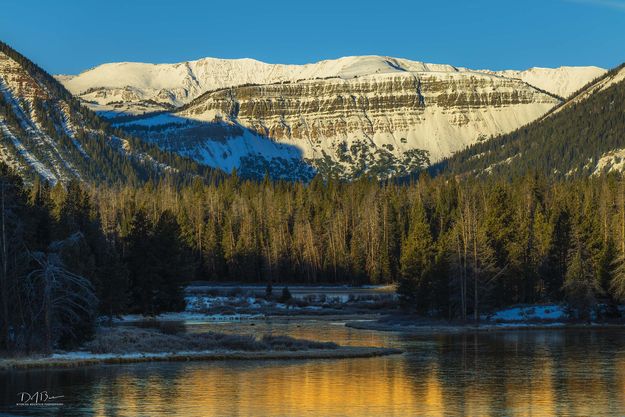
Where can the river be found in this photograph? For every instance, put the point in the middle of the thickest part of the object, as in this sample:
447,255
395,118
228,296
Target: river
507,373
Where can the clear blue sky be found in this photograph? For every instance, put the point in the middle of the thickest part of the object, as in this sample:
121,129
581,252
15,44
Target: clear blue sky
68,36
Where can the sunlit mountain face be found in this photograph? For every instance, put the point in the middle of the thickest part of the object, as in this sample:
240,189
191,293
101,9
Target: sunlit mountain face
362,115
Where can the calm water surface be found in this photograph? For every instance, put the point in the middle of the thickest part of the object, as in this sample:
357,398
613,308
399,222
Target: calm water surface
513,373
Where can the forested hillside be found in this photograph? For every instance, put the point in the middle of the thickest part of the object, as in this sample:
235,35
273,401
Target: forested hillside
45,132
584,136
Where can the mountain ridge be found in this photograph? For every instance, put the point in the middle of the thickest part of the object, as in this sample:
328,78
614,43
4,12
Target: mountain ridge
373,115
382,124
46,132
159,86
352,116
583,136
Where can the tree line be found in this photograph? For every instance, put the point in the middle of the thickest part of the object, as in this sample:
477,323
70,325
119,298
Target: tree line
456,247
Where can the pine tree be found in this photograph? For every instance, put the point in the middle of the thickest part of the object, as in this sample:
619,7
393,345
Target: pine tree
580,284
173,265
416,263
112,284
502,234
13,212
141,264
617,281
553,267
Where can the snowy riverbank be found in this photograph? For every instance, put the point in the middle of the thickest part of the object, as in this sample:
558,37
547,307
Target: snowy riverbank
249,303
521,317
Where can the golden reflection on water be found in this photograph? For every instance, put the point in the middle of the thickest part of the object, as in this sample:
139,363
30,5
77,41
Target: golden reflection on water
356,387
455,377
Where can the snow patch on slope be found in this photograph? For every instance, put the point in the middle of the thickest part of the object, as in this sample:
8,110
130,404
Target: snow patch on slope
611,161
70,130
30,159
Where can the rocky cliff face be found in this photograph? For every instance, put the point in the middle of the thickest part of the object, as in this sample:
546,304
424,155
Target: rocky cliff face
383,124
134,88
371,115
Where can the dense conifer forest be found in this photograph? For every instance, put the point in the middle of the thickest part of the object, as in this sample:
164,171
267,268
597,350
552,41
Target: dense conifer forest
456,248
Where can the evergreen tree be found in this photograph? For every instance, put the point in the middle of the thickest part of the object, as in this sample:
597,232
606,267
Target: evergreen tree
172,264
502,234
112,284
553,268
142,268
580,284
416,263
617,280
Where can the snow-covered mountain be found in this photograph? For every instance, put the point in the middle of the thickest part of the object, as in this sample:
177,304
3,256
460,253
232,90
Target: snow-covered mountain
46,132
135,88
345,117
562,81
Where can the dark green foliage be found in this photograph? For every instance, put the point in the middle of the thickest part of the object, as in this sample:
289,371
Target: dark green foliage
416,263
568,142
554,265
286,295
60,266
171,263
579,285
140,262
158,264
456,248
46,279
112,283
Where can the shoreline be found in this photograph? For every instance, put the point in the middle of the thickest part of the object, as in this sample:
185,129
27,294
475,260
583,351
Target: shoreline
79,359
444,328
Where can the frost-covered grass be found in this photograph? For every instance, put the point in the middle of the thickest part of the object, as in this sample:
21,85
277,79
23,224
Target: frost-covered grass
76,359
127,340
